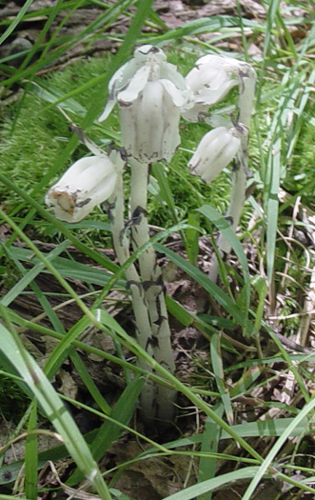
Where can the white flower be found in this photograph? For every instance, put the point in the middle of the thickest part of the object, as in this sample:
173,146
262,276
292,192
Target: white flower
150,125
211,79
215,151
151,94
88,182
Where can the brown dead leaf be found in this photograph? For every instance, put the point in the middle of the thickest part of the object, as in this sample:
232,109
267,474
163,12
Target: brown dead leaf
151,478
68,386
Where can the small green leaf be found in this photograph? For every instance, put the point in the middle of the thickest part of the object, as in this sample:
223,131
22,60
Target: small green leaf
31,455
53,407
192,237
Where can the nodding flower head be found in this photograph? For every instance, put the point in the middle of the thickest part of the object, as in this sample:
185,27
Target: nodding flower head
151,94
211,79
215,151
87,183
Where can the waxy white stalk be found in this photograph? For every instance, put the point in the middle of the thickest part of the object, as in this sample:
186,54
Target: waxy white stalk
156,402
87,183
239,173
161,406
151,95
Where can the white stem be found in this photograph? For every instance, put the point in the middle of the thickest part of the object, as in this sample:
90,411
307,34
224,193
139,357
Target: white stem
245,105
160,335
121,246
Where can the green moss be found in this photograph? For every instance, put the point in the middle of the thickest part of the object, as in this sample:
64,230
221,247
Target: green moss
13,401
33,135
29,146
301,172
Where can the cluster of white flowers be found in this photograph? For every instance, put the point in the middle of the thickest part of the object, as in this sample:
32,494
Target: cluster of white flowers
152,96
211,79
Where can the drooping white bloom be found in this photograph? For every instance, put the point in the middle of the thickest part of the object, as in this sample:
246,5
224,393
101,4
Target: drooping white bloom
211,79
150,94
87,183
215,151
149,126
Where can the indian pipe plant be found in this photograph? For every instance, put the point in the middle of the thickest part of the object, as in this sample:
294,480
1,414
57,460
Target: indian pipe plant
152,96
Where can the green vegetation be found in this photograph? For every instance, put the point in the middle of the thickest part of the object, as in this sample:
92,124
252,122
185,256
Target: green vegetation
251,392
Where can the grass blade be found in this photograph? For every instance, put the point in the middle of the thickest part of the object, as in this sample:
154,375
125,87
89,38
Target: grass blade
213,484
217,366
276,448
210,441
110,431
31,457
54,408
203,280
15,21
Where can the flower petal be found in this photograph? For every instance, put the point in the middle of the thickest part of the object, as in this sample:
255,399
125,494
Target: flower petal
120,78
85,184
108,109
214,152
177,96
133,88
149,126
149,53
148,64
211,79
